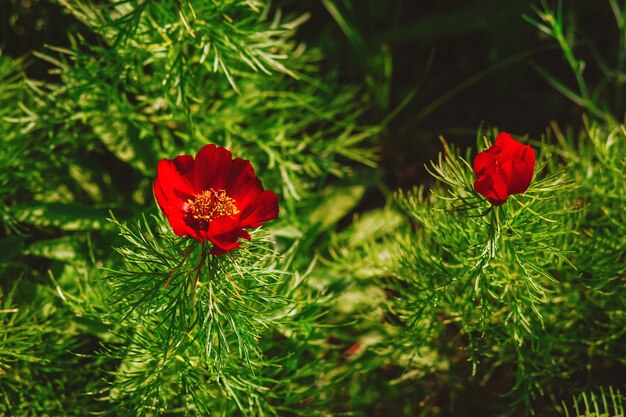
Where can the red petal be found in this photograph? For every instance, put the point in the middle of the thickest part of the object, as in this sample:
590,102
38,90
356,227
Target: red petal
484,160
508,148
176,178
184,165
175,216
212,167
220,248
242,184
224,232
171,208
518,176
493,186
528,157
172,187
261,210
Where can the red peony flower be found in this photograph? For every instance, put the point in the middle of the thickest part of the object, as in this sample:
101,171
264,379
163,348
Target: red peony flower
213,197
505,168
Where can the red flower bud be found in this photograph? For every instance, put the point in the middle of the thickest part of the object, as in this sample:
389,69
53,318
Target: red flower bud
505,168
213,197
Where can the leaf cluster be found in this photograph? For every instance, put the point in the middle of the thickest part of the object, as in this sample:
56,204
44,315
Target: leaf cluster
529,293
144,80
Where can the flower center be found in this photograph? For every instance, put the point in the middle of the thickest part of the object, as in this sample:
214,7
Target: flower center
211,204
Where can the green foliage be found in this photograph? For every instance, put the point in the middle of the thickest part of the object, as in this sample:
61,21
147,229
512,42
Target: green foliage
191,322
605,100
141,81
160,73
597,405
39,343
504,255
484,270
356,300
508,287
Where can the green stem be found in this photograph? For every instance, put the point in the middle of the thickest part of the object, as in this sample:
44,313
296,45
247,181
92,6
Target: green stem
198,268
185,254
194,295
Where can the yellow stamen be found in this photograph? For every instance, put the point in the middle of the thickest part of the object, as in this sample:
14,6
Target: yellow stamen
208,205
